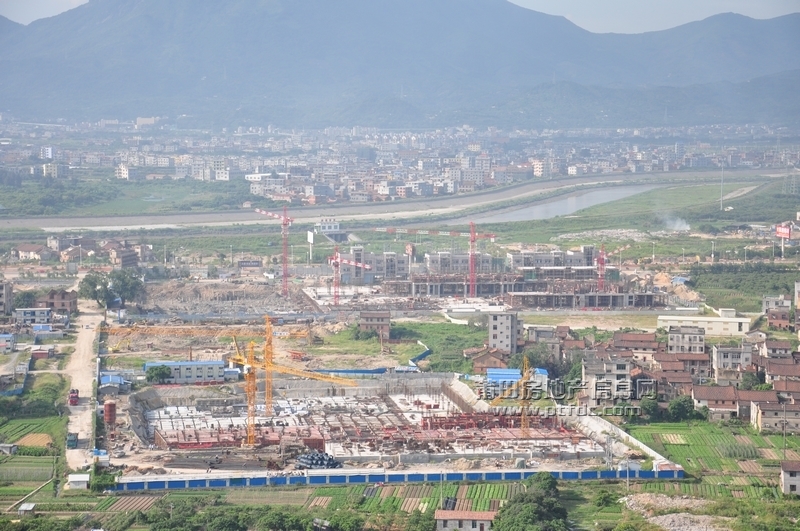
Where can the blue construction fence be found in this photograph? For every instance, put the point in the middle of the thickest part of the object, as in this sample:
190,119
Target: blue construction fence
338,478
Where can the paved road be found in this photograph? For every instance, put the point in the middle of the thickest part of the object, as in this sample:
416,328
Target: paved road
81,371
347,211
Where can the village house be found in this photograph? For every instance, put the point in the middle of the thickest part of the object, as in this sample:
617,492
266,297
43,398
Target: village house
376,321
778,318
772,416
59,301
31,252
464,520
790,477
775,349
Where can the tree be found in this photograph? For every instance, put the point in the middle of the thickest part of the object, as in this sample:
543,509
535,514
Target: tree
681,408
158,373
532,511
126,284
419,521
543,482
25,299
94,286
749,381
604,498
650,408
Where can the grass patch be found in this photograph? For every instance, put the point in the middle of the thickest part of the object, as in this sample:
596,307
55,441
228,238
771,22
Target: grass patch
447,341
344,344
742,286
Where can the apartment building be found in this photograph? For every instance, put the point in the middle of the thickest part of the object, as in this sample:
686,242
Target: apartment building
730,357
505,332
686,339
6,298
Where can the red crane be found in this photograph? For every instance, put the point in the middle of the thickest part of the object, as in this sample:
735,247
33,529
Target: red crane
286,222
336,260
601,269
473,247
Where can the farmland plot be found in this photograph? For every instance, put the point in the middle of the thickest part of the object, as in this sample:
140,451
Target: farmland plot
22,468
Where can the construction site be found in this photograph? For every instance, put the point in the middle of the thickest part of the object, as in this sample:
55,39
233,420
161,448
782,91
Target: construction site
233,384
392,422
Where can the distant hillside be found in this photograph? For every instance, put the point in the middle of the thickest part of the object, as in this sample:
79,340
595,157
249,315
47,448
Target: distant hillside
379,62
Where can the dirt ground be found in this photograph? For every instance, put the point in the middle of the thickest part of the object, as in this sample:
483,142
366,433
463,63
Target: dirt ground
646,504
218,297
81,371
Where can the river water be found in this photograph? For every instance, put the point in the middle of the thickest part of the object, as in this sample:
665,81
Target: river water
564,205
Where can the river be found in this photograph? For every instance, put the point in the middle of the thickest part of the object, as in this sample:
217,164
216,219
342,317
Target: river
561,205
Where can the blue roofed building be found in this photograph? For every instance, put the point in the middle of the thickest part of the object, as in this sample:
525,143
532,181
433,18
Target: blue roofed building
112,385
503,376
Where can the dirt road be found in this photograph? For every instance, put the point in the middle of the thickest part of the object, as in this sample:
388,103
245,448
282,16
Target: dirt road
81,372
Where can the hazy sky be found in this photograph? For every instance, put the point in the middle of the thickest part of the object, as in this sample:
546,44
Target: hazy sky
621,16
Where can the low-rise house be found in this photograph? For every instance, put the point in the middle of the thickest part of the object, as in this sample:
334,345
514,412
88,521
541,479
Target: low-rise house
775,370
721,401
32,252
376,321
775,302
61,301
8,343
778,318
774,417
746,398
464,520
192,372
30,316
775,349
790,477
489,360
124,258
643,346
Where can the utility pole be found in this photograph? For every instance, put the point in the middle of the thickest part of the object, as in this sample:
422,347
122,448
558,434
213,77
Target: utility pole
784,431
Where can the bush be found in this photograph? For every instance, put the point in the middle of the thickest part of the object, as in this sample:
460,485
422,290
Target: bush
604,498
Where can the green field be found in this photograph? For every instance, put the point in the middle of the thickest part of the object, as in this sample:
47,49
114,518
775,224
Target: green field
343,344
13,430
114,197
737,458
23,468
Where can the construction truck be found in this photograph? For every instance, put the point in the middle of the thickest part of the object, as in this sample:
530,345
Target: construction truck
72,441
73,397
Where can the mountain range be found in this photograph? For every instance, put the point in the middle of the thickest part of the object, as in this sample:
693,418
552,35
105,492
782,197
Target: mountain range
392,63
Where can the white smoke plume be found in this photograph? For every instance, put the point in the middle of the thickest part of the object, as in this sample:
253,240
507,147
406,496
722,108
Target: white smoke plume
674,223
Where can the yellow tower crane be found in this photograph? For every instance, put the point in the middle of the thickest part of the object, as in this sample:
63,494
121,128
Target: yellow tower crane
247,360
519,393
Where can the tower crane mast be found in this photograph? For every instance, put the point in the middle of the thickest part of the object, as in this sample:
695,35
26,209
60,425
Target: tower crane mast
336,260
286,222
